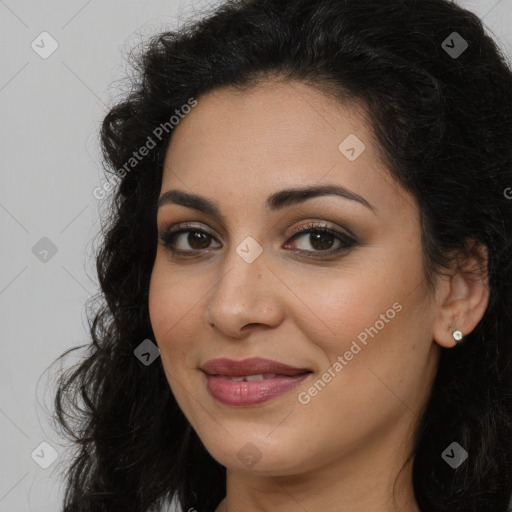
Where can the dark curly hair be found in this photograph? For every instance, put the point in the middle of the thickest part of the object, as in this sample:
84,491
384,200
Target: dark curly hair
444,126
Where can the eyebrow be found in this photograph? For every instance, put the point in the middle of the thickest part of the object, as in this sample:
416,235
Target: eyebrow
276,201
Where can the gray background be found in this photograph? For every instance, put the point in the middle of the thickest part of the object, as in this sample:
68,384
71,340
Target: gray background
51,110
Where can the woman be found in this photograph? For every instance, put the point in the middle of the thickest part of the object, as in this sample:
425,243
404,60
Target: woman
306,268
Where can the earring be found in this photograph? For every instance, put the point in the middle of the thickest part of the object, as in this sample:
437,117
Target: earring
457,336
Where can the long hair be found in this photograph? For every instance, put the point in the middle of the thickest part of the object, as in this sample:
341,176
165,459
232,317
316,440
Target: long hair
441,112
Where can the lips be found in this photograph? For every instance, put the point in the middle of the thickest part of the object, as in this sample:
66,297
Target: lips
251,381
250,367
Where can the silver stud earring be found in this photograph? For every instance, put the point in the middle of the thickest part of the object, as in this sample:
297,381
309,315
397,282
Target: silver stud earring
457,336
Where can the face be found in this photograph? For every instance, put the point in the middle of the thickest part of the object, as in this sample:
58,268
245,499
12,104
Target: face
330,284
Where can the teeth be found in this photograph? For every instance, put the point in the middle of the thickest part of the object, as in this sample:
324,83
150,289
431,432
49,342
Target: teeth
249,378
254,377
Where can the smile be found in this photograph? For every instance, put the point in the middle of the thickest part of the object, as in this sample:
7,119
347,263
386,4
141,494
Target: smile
250,381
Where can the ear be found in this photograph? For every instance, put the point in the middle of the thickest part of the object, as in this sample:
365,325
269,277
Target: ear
462,295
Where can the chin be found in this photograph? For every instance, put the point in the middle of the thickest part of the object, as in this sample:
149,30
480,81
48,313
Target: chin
252,453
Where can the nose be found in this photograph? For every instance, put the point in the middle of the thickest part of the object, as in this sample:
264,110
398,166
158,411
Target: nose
247,296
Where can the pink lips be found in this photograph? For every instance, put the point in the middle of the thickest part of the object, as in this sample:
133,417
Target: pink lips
267,379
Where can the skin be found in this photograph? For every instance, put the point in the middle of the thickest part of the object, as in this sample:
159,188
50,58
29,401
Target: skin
343,450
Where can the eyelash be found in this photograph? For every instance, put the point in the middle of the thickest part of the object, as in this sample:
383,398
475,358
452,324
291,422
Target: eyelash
169,236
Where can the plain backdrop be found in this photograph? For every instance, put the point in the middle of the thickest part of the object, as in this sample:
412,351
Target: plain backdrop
50,110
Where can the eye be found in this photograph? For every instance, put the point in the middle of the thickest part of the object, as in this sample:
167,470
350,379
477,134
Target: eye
322,239
195,238
313,238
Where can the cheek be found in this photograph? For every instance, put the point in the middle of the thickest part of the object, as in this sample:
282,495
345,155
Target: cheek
173,307
160,303
374,311
173,311
341,305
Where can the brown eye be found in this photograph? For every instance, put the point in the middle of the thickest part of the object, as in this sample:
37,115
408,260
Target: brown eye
313,240
187,240
198,239
321,239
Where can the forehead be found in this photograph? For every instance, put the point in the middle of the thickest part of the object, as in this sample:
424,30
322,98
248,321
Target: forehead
271,136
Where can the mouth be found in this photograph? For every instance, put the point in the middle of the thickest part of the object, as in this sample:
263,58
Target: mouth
255,368
251,378
250,381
